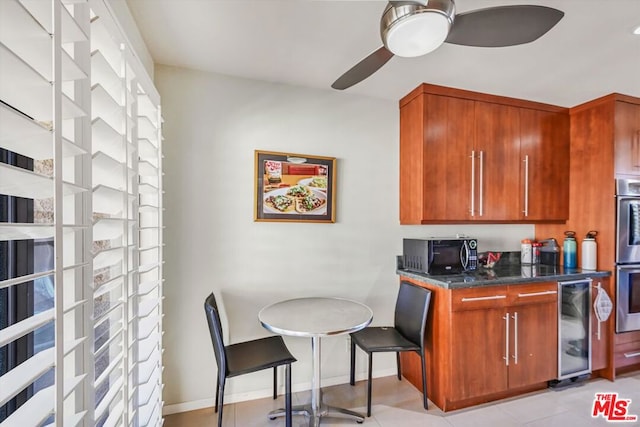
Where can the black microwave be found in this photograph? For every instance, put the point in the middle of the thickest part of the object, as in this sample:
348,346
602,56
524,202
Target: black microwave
440,255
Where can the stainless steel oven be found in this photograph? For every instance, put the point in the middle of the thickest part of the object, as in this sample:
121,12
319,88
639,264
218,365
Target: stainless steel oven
628,298
627,255
628,221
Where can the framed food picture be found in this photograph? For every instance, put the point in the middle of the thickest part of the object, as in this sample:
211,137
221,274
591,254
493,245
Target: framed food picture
294,187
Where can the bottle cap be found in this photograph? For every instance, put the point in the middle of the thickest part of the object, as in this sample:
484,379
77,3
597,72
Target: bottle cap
592,234
570,234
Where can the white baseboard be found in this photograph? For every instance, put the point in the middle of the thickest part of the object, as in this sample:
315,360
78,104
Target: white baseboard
260,394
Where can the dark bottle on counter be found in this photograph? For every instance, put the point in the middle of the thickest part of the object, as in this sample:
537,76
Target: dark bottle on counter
549,252
569,249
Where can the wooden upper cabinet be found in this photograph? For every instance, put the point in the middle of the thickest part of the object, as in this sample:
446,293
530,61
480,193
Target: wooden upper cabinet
436,132
497,153
544,153
627,138
448,139
472,157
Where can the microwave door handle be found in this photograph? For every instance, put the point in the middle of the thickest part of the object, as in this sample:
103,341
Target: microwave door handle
464,255
430,255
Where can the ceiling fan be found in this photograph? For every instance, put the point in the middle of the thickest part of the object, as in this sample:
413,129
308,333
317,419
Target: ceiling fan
415,28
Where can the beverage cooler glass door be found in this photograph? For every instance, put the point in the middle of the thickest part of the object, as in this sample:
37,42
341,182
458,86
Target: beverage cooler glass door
574,328
628,298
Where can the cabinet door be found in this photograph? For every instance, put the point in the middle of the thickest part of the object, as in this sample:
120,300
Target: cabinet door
627,138
498,163
478,353
600,331
448,139
544,154
533,343
411,161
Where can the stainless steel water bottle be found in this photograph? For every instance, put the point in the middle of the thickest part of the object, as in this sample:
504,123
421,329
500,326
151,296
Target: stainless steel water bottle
589,251
569,249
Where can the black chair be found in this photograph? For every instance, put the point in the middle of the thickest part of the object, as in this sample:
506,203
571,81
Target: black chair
246,357
407,334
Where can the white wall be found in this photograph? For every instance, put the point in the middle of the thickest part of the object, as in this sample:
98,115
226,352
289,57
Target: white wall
123,15
213,124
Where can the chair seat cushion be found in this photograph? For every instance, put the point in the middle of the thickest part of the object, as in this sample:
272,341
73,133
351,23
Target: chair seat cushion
382,338
252,356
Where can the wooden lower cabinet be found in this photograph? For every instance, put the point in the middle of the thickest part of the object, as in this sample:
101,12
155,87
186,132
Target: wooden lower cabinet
488,343
627,350
534,357
496,349
478,349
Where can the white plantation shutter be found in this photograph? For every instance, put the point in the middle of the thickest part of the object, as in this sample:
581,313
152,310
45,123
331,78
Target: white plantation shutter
112,197
146,293
77,101
44,86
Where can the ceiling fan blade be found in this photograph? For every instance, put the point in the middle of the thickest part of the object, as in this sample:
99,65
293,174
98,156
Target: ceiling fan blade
363,69
503,25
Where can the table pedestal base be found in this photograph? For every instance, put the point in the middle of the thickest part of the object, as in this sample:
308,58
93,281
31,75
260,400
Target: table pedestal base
323,411
307,317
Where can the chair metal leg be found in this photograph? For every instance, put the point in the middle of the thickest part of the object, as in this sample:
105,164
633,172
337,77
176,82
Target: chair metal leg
287,395
275,382
369,385
217,393
352,376
221,391
424,382
398,365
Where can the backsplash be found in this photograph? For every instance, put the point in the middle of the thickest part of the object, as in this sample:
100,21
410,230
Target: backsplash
506,258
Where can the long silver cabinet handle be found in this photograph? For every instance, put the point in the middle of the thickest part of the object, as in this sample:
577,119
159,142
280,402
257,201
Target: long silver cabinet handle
630,355
526,185
634,147
483,298
536,294
515,337
481,202
473,182
506,340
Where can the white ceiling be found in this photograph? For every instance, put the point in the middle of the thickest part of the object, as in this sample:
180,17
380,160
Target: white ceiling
590,53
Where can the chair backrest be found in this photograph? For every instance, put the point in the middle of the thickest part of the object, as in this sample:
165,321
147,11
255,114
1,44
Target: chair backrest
215,329
412,308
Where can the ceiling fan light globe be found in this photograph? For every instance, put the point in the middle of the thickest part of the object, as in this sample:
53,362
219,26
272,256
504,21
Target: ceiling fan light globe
417,35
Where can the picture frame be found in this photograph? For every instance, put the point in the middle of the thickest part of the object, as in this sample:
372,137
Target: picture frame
294,187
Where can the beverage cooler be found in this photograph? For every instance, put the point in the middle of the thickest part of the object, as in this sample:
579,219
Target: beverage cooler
574,333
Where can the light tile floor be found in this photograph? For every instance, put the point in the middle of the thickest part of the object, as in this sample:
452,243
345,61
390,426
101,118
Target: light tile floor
398,403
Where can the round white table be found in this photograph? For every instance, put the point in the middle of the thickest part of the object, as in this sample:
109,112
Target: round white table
315,318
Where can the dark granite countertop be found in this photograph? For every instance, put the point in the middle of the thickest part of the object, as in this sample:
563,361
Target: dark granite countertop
504,275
